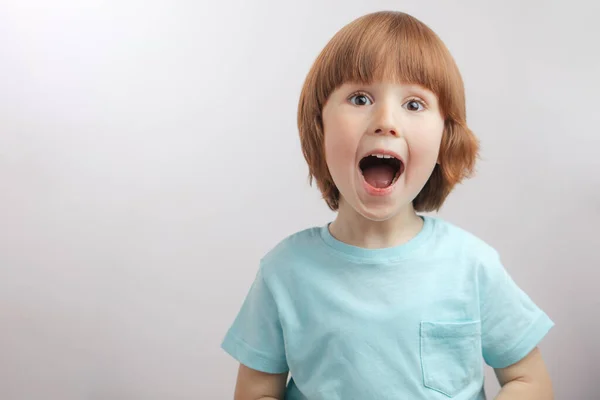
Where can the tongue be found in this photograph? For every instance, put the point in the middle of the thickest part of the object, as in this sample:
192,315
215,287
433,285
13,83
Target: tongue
379,176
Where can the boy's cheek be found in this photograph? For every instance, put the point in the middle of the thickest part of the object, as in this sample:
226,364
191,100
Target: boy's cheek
339,146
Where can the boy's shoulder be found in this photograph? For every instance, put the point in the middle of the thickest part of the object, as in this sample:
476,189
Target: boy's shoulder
453,239
291,249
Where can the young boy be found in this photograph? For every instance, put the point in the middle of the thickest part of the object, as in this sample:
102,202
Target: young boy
383,303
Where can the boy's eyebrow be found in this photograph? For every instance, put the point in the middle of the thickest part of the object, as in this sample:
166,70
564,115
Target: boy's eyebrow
409,87
422,90
418,87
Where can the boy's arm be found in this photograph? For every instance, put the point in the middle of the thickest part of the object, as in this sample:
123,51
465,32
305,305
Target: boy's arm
256,385
528,379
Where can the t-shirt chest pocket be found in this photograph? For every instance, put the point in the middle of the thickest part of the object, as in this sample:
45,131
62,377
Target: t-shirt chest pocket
451,355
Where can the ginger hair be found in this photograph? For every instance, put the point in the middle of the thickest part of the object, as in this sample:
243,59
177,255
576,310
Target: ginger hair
396,46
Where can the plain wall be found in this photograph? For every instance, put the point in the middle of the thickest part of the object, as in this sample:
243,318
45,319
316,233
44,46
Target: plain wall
149,157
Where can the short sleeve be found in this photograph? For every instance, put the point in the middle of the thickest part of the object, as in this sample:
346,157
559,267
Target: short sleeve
512,324
256,339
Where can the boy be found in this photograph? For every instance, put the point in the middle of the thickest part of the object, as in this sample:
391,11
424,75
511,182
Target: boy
384,303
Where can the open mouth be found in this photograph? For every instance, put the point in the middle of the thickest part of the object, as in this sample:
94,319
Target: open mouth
381,171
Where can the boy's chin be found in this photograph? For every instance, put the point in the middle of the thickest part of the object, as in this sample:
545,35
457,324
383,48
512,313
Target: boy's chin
381,212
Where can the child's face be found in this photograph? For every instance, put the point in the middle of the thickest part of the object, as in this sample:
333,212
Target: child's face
389,119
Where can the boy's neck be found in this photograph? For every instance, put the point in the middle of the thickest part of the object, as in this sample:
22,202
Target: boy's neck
352,228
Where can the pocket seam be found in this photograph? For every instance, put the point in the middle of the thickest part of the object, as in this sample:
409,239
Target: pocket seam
442,326
441,330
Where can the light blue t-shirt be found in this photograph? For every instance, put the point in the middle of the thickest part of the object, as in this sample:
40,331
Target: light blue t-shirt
415,321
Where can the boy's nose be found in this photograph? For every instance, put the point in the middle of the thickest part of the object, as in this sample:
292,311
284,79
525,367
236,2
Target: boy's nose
384,122
386,126
387,131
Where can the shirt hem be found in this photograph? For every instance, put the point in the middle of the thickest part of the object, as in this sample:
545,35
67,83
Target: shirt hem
529,341
251,357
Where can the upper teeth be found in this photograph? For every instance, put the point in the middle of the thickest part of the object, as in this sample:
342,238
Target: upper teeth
382,156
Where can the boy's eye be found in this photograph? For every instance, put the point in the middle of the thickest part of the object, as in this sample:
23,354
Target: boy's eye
360,100
414,105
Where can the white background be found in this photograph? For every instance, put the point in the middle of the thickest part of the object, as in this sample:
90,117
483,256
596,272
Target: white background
149,157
